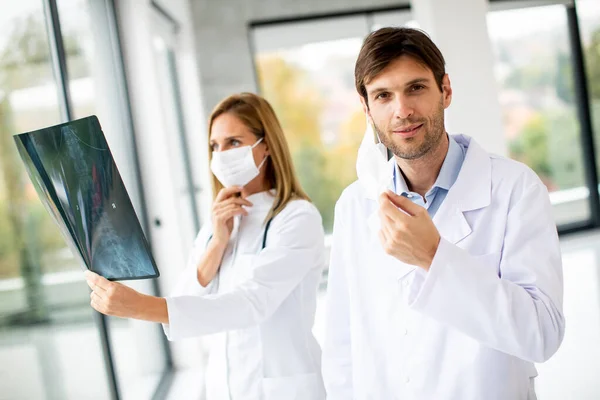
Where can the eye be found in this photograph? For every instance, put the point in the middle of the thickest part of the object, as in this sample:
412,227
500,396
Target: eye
382,96
417,88
214,147
235,142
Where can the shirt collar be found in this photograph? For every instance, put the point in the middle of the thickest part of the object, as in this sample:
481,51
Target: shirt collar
448,173
262,199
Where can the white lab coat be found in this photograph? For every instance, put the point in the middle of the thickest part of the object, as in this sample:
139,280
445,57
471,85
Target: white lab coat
470,328
261,307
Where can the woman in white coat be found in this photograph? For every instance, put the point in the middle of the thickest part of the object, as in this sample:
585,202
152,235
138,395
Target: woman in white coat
253,273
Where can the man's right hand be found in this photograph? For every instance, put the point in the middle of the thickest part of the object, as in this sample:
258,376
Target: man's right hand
227,205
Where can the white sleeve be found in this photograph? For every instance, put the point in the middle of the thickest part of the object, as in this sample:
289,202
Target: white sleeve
516,309
295,247
337,358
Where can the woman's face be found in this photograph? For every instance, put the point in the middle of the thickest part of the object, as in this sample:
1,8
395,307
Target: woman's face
229,132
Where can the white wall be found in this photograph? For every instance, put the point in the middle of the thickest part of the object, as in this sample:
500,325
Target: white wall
222,37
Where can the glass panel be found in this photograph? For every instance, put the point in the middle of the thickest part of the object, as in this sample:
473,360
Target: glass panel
311,88
533,69
96,88
588,12
573,372
47,330
164,49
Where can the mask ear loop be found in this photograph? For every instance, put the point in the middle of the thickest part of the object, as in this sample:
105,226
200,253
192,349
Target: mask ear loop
264,159
376,137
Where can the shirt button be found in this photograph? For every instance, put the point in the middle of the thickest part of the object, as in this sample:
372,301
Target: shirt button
405,283
405,332
407,379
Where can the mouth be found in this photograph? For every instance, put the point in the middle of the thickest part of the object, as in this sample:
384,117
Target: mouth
409,131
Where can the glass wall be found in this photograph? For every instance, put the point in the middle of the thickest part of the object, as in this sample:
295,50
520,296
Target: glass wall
535,75
51,345
589,25
47,329
306,71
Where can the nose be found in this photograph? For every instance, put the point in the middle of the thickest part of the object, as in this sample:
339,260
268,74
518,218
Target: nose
403,108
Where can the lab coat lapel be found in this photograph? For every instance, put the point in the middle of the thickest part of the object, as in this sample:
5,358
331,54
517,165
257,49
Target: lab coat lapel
471,191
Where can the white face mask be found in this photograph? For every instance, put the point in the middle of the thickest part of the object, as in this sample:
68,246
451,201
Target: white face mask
235,167
372,168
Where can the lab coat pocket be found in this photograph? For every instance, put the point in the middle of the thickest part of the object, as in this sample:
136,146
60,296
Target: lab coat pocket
295,387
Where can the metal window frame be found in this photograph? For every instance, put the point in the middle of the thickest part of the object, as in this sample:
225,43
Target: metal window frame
584,114
59,65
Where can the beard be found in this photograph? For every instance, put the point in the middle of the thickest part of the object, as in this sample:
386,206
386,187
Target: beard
410,149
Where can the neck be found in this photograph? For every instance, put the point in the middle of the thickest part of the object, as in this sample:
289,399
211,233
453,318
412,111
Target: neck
255,186
420,174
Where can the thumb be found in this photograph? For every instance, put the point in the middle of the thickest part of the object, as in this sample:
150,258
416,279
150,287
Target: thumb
403,203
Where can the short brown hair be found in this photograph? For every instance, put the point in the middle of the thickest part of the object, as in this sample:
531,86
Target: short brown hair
385,45
257,114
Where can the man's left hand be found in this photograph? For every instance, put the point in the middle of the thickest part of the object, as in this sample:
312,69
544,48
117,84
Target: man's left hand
407,231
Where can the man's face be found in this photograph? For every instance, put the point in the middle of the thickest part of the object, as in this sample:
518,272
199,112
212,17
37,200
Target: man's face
407,107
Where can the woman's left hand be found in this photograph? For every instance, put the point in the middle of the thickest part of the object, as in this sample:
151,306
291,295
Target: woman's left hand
113,298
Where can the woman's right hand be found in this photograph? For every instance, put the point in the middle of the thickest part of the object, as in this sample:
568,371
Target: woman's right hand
227,205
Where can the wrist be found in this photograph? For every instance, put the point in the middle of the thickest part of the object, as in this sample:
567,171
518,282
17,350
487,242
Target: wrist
153,309
217,243
426,263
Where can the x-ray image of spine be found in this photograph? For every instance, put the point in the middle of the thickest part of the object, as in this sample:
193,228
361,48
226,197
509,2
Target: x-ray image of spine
79,164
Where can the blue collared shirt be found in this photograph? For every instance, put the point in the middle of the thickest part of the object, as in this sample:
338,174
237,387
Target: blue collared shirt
446,178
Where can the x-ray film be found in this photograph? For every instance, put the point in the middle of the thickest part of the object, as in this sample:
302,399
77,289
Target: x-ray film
76,178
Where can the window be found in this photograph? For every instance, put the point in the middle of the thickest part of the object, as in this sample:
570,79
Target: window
308,78
306,71
589,25
93,70
45,317
55,341
534,71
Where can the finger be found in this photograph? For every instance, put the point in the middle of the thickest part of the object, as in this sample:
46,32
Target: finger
388,230
99,297
383,240
391,210
232,200
232,207
405,204
97,306
94,287
94,280
225,193
226,216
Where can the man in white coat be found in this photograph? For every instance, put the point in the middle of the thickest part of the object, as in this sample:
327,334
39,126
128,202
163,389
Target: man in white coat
445,281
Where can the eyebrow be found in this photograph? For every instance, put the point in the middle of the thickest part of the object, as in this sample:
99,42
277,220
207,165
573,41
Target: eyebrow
409,83
228,138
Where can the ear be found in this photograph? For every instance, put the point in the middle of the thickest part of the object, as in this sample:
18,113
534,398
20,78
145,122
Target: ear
446,91
365,105
366,110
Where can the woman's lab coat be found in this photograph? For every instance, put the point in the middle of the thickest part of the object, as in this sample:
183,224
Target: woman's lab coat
472,327
261,307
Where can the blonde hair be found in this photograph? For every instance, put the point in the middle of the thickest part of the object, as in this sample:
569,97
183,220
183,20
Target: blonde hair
258,115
